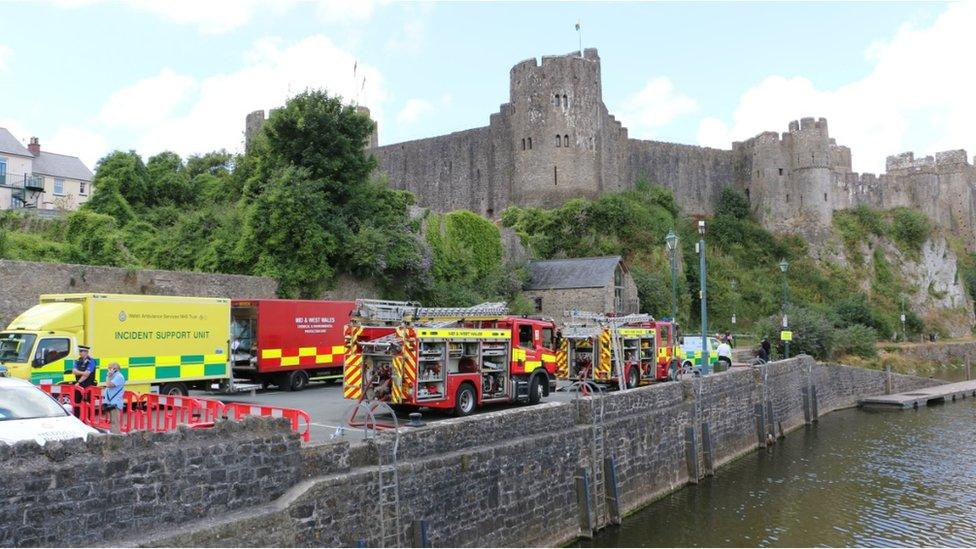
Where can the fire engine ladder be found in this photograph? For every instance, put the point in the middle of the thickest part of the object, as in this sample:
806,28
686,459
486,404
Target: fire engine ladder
612,321
387,476
619,361
452,314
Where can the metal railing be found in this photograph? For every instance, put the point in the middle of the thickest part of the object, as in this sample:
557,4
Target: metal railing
22,181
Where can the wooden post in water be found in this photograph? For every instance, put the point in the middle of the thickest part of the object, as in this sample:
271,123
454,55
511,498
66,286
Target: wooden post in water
887,379
583,503
969,364
691,454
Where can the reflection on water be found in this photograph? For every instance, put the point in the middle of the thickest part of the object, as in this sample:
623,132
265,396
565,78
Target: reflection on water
857,478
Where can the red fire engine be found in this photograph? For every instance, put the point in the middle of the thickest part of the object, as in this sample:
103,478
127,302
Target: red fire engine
605,349
288,342
447,358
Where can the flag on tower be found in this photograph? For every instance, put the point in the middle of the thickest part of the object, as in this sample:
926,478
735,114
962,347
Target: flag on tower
577,25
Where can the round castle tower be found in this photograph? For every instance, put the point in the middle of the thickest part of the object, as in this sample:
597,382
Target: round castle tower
554,116
790,179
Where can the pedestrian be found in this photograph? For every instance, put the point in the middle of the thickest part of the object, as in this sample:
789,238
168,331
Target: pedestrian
112,401
84,371
724,353
764,349
729,339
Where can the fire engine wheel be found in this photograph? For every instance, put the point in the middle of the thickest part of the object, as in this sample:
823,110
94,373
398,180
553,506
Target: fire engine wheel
673,371
536,390
295,380
465,400
174,389
633,378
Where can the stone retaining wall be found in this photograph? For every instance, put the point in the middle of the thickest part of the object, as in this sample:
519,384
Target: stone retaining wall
507,478
77,493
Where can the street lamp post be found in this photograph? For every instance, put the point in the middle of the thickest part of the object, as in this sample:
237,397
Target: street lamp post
735,301
783,266
672,242
703,296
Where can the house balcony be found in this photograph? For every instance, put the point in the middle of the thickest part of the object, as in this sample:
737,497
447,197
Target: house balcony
22,181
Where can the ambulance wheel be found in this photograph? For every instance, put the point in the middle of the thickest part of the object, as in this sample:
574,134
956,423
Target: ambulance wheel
633,378
536,390
174,389
296,380
465,400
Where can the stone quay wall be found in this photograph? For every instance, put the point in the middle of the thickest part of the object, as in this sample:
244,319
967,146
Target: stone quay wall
86,493
509,477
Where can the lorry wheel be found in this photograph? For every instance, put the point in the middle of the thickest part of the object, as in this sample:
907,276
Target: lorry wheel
174,389
465,400
296,380
535,390
632,377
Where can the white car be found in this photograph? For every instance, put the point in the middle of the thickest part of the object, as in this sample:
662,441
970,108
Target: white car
28,413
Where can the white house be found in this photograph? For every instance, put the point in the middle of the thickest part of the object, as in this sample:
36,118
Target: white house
32,178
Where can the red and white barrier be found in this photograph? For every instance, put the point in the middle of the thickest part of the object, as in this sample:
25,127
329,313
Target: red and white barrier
161,413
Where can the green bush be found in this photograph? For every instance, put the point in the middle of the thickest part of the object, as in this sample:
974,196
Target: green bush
813,334
856,339
910,228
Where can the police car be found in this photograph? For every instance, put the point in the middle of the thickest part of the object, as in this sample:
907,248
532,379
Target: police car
27,413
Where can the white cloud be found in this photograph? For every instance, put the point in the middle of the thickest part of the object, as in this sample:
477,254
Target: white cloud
147,102
917,96
656,105
413,111
410,38
6,54
273,71
85,144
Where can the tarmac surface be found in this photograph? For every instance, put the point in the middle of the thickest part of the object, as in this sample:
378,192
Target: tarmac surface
330,412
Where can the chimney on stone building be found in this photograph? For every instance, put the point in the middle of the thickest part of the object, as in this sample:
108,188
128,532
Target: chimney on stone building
34,146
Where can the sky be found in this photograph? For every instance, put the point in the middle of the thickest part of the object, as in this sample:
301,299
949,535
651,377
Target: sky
90,76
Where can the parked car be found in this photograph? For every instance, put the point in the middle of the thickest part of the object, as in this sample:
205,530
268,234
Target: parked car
691,354
28,413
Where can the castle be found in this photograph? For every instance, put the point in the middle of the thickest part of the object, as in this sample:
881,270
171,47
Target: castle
555,140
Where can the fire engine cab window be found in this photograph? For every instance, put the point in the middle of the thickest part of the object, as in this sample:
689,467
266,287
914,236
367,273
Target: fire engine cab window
525,336
50,350
547,338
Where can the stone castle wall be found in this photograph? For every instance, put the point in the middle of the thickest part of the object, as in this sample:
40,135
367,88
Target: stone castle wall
477,480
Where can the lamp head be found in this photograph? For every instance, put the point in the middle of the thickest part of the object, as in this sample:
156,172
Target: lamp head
671,240
701,227
783,265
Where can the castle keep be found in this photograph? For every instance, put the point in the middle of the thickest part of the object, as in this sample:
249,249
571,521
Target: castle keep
555,140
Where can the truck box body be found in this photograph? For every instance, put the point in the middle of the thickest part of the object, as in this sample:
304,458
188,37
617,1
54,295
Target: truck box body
155,339
272,336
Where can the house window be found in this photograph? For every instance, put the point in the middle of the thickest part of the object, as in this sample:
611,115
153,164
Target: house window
618,290
781,171
825,197
555,99
3,171
81,187
787,198
555,177
523,143
565,101
59,186
538,304
565,141
530,143
558,141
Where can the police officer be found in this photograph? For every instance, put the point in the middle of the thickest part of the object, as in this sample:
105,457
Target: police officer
84,371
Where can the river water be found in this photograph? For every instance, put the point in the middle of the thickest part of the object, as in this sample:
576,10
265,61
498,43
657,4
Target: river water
857,478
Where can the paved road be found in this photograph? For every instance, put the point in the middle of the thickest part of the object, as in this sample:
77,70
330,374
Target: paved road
329,411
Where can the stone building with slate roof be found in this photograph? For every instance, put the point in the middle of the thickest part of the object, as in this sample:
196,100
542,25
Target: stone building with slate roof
36,179
594,284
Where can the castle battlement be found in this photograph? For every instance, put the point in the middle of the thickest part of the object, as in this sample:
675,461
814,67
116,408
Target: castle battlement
906,161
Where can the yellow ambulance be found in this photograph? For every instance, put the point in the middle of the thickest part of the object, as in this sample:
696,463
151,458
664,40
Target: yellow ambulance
170,344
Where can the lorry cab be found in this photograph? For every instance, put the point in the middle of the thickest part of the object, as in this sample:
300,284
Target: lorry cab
40,345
